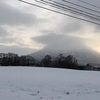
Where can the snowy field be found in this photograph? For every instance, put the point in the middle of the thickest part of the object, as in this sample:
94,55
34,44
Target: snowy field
25,83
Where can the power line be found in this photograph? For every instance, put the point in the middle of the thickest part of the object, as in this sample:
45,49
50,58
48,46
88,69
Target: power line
89,3
81,6
59,12
73,10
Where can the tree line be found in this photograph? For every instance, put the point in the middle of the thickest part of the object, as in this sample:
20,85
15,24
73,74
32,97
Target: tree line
61,61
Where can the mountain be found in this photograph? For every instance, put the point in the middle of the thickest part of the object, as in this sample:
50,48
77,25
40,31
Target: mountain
66,45
83,56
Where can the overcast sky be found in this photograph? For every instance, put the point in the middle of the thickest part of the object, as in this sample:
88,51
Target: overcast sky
25,29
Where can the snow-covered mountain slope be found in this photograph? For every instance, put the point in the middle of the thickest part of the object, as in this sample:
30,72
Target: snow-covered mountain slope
84,56
25,83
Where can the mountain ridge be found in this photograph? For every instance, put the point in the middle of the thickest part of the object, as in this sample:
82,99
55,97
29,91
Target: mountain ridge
85,56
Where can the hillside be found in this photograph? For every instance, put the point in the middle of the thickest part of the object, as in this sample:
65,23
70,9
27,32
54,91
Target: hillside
85,56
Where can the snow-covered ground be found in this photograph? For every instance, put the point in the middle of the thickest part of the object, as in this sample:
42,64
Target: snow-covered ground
27,83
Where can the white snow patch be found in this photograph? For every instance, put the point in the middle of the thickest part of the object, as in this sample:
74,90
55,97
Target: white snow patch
29,83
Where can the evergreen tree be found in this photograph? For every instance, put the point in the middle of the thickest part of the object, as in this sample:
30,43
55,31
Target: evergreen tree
46,61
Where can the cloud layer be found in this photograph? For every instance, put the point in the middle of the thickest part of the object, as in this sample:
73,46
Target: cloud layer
61,43
23,31
11,16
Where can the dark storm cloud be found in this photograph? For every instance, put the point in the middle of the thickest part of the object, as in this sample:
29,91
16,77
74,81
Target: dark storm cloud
11,16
